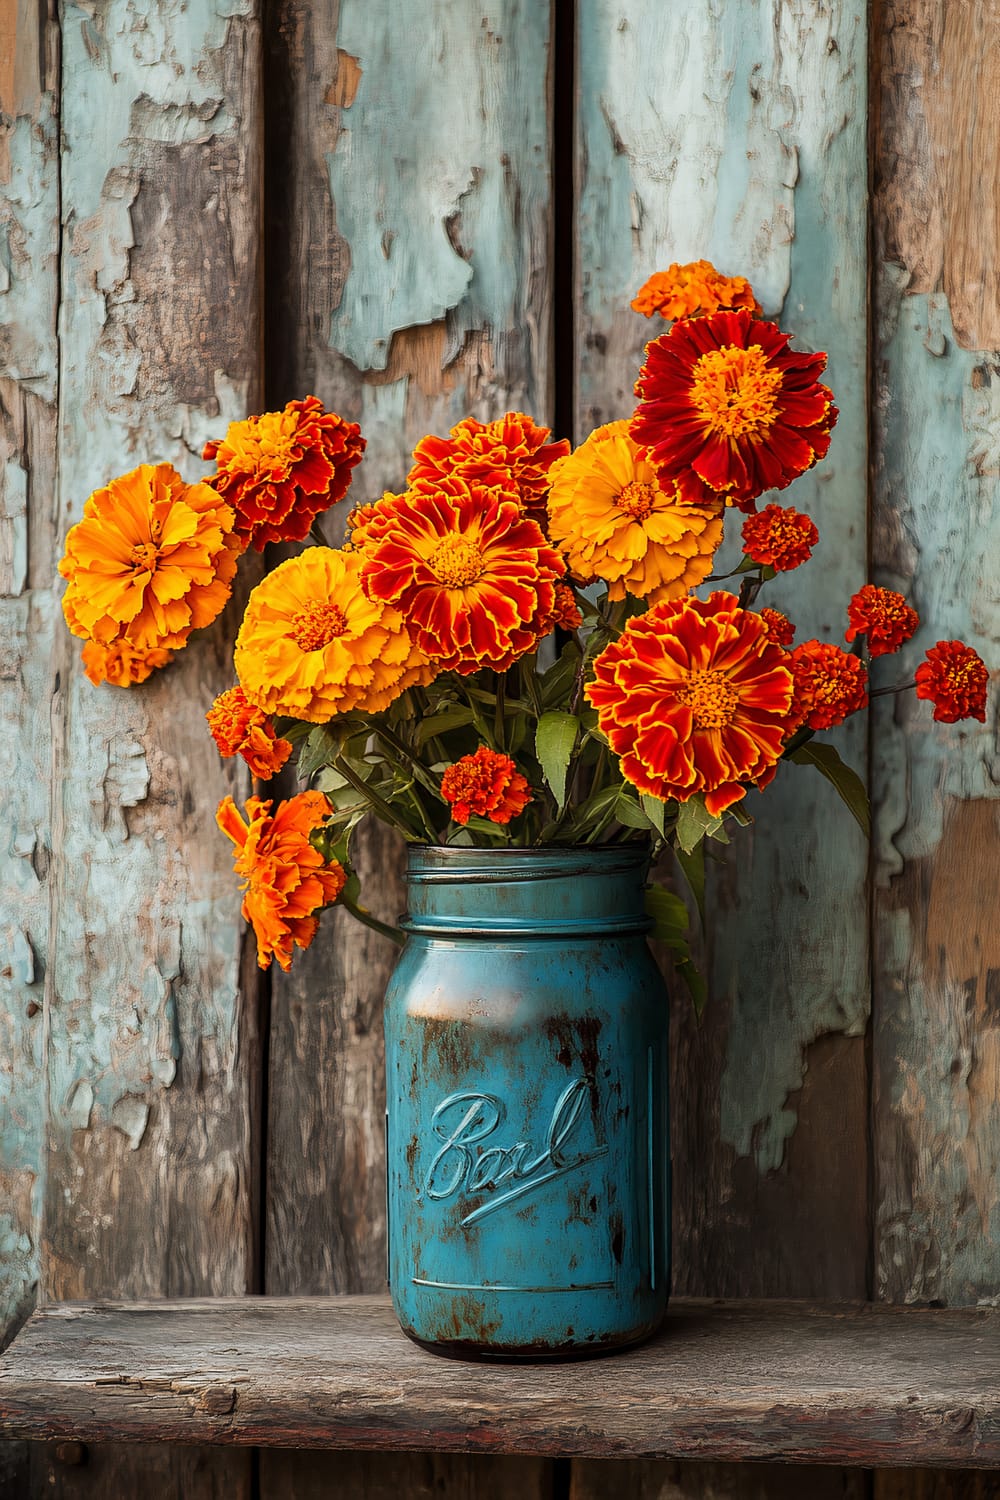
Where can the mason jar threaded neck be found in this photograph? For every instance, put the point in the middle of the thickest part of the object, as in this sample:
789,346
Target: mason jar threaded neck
541,892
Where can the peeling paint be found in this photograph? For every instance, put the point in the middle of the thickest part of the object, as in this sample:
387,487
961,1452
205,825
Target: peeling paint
423,166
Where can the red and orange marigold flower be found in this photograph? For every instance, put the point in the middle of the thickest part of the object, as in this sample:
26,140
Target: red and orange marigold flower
285,879
954,678
611,520
779,537
692,290
313,644
779,626
830,684
151,560
566,613
472,575
239,727
726,408
513,452
279,471
485,785
883,616
694,697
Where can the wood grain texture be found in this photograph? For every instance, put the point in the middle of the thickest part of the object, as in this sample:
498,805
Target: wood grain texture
855,1384
747,144
596,1478
29,620
149,1045
936,536
409,286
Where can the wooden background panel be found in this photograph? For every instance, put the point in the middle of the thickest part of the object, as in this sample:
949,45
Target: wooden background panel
408,237
150,1061
747,144
936,535
29,619
601,1479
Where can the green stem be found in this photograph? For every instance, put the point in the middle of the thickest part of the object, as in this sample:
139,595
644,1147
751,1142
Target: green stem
903,687
499,727
367,920
382,808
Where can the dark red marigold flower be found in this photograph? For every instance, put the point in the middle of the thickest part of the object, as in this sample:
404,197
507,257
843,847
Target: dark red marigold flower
954,678
727,408
779,626
883,616
486,784
779,537
279,471
830,684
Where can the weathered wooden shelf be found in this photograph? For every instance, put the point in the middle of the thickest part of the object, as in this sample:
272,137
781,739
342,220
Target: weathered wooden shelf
787,1381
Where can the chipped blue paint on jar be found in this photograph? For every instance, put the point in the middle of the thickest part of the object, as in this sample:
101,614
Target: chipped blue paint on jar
527,1124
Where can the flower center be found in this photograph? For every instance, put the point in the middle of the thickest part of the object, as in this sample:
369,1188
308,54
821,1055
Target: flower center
636,499
734,390
711,698
144,557
315,626
456,562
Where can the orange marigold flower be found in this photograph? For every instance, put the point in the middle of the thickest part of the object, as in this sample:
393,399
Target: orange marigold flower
779,537
486,784
611,520
694,698
120,664
779,626
239,727
830,684
512,452
312,644
685,291
566,614
151,560
285,879
884,616
473,575
726,406
954,678
282,469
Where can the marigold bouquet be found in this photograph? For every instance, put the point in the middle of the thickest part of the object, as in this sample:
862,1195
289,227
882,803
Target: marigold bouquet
510,650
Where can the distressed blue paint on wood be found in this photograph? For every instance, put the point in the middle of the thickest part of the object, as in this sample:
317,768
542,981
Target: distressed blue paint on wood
148,1090
938,826
441,202
29,247
746,143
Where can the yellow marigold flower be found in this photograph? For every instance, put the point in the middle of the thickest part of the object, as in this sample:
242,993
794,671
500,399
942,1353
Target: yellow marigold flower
611,519
151,560
312,644
120,664
687,291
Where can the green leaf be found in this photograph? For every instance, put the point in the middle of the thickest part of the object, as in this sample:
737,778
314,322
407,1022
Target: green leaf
846,780
555,739
694,821
669,914
440,723
694,981
555,683
324,744
654,810
629,813
692,863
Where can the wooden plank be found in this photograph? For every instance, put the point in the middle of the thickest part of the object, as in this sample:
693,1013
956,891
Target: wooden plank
594,1478
807,1383
937,536
29,618
745,142
150,1040
408,271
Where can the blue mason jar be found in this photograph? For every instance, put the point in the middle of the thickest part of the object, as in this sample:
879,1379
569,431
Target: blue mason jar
527,1120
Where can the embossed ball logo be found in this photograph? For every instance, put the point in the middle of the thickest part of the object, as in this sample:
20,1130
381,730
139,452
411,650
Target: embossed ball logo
462,1166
